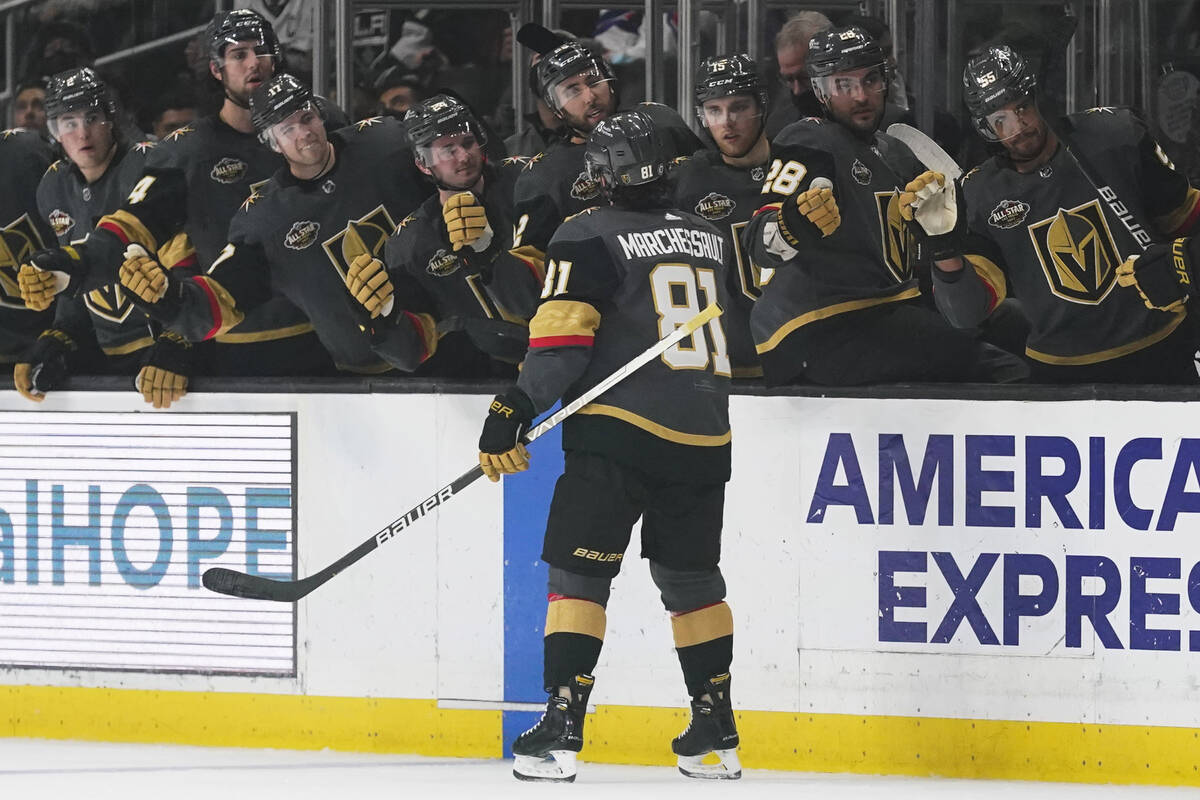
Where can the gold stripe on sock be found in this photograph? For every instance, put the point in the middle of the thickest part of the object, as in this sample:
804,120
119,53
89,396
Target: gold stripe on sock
698,627
570,615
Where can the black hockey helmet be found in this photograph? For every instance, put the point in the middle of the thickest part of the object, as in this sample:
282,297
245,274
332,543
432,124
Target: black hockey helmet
625,150
441,115
78,89
722,76
992,80
566,61
276,100
240,25
841,50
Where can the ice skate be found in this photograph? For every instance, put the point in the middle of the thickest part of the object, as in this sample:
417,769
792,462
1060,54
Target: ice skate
546,752
711,734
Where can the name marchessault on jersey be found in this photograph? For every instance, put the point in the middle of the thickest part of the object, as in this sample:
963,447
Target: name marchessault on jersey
670,242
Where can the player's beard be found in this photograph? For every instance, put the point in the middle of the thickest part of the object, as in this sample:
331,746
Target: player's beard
1028,145
582,124
866,129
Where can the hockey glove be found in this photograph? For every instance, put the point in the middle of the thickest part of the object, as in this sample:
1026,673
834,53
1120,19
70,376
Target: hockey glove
368,282
467,222
49,273
44,366
501,451
932,202
163,379
151,285
1162,275
815,210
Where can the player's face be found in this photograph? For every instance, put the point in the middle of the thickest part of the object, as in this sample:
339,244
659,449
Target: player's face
243,69
29,110
855,98
791,69
455,161
86,137
585,99
1020,128
301,139
734,122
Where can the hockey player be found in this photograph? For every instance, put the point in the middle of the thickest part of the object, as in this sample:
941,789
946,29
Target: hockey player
725,185
1051,218
24,158
455,246
99,169
336,201
580,88
214,164
656,446
842,307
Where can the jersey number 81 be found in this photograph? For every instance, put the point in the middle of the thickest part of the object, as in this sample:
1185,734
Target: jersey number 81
676,290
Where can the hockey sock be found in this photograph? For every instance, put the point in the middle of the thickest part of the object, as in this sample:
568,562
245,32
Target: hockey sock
574,636
704,642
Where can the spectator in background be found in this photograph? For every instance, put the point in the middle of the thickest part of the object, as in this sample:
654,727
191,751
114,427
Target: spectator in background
396,91
172,110
795,100
29,107
57,46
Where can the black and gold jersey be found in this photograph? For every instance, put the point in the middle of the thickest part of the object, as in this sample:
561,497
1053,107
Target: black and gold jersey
555,185
491,285
617,281
24,157
1054,240
728,196
864,263
296,238
72,206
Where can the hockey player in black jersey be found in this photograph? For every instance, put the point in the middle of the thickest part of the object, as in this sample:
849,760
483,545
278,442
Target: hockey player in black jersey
656,446
842,307
725,185
214,165
24,158
1050,220
582,91
337,200
99,168
455,246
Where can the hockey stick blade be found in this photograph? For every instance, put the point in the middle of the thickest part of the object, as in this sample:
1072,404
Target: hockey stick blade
257,587
929,152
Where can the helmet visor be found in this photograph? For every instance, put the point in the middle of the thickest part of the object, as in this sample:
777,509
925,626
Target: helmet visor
1005,123
872,82
450,146
570,89
245,49
296,126
74,122
726,111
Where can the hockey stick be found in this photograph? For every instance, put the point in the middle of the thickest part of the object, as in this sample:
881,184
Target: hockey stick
256,587
926,150
1106,192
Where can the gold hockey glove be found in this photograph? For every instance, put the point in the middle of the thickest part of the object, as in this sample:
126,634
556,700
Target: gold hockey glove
48,273
815,207
43,366
931,202
501,451
163,379
1162,275
368,282
467,222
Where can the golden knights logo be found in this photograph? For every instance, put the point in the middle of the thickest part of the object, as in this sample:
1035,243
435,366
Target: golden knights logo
365,235
228,170
715,206
584,188
893,235
301,235
60,221
443,264
1077,252
109,302
18,240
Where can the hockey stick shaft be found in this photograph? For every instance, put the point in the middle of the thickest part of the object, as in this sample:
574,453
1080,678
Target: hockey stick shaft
257,587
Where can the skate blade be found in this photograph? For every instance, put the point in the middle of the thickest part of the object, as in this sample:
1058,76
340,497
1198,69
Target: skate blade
557,766
729,768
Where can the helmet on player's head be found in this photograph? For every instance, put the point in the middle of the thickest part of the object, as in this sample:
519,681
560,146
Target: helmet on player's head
625,150
78,89
240,25
440,115
275,101
723,76
992,80
566,61
843,50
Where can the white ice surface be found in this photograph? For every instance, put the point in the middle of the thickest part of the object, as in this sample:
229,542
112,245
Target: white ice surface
48,770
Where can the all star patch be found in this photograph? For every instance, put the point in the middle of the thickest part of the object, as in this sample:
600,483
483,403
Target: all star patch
228,170
301,235
715,206
1008,214
60,221
860,173
584,188
443,264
